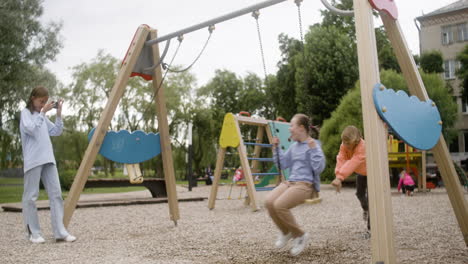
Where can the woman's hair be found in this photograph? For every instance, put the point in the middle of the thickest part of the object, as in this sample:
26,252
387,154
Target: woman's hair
306,122
351,135
38,91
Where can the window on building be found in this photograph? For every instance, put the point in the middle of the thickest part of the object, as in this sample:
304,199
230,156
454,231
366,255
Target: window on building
464,105
449,68
453,146
462,32
447,35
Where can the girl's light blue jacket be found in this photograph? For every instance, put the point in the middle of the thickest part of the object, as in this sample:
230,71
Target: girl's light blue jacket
305,163
36,129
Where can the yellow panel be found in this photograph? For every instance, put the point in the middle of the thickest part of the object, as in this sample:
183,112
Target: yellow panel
229,136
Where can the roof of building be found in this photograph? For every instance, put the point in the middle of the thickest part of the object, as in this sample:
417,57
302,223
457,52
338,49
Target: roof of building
459,5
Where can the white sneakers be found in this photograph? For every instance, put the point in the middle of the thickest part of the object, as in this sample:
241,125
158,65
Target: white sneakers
298,244
282,240
68,238
36,239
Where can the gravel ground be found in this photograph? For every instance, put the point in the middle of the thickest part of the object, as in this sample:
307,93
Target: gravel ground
425,231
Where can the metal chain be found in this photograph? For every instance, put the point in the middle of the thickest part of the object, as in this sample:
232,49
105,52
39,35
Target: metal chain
298,3
166,67
256,14
210,29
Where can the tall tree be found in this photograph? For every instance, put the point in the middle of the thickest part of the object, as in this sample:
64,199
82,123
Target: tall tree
26,46
282,89
327,71
462,73
432,61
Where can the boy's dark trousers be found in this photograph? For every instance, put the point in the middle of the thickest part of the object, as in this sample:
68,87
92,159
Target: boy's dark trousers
361,193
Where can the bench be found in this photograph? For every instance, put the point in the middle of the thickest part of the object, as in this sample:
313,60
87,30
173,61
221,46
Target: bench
157,186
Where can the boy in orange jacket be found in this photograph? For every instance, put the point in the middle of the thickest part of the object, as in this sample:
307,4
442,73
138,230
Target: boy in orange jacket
352,159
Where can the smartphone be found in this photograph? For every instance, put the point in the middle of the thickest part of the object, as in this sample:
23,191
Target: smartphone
54,104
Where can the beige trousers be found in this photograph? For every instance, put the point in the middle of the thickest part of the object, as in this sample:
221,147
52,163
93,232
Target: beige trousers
280,200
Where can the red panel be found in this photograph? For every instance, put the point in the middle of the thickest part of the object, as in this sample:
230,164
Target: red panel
144,76
388,6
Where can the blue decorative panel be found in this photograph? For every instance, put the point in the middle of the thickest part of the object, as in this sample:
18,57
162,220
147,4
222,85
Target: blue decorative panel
130,148
281,130
416,122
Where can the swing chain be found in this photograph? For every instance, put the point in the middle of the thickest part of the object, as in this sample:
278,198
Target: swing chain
256,14
210,30
298,3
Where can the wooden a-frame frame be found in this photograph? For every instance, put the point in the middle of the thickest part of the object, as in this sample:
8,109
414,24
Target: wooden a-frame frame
380,206
236,141
96,141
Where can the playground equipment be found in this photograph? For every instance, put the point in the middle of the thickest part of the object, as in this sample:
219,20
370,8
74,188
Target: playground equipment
137,51
404,157
130,149
231,137
380,207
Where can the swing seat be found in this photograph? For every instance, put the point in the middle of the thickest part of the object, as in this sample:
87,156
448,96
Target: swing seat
129,147
315,199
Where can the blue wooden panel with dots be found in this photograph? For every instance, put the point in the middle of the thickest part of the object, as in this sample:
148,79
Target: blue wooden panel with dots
281,130
130,148
417,123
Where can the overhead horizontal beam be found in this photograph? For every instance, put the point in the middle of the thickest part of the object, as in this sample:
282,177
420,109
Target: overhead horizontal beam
214,21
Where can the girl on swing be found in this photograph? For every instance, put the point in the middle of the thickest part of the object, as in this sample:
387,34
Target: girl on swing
306,161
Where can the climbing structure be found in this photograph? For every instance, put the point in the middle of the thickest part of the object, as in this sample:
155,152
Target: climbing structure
231,136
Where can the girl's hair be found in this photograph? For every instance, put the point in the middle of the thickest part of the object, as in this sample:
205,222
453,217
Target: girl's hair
39,91
351,135
306,122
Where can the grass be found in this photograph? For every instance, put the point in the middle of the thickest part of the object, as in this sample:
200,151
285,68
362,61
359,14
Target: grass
11,189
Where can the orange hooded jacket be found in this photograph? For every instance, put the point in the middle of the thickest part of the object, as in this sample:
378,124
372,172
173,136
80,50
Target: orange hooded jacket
349,161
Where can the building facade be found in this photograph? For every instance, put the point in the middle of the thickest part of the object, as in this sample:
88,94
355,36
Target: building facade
446,30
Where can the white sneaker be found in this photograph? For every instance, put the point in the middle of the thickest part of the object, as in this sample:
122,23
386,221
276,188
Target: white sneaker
36,239
299,243
68,238
282,240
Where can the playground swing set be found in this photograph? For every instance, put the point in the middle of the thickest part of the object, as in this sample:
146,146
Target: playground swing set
253,180
405,115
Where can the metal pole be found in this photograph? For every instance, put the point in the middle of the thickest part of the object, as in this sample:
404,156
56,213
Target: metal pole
214,21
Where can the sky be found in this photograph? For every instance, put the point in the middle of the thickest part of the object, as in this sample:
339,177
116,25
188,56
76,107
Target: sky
109,25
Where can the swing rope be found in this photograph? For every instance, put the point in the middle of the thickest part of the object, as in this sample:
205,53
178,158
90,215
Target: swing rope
256,14
298,4
167,66
210,29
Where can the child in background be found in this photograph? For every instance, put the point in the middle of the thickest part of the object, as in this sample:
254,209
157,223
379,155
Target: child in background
407,183
352,159
306,161
39,164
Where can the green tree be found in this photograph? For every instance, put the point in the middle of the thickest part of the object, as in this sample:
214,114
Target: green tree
387,58
328,70
282,90
344,23
349,112
26,45
431,62
462,73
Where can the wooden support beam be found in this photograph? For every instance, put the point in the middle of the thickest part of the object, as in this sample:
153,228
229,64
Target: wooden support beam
441,153
95,144
380,205
163,128
251,120
424,172
217,177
